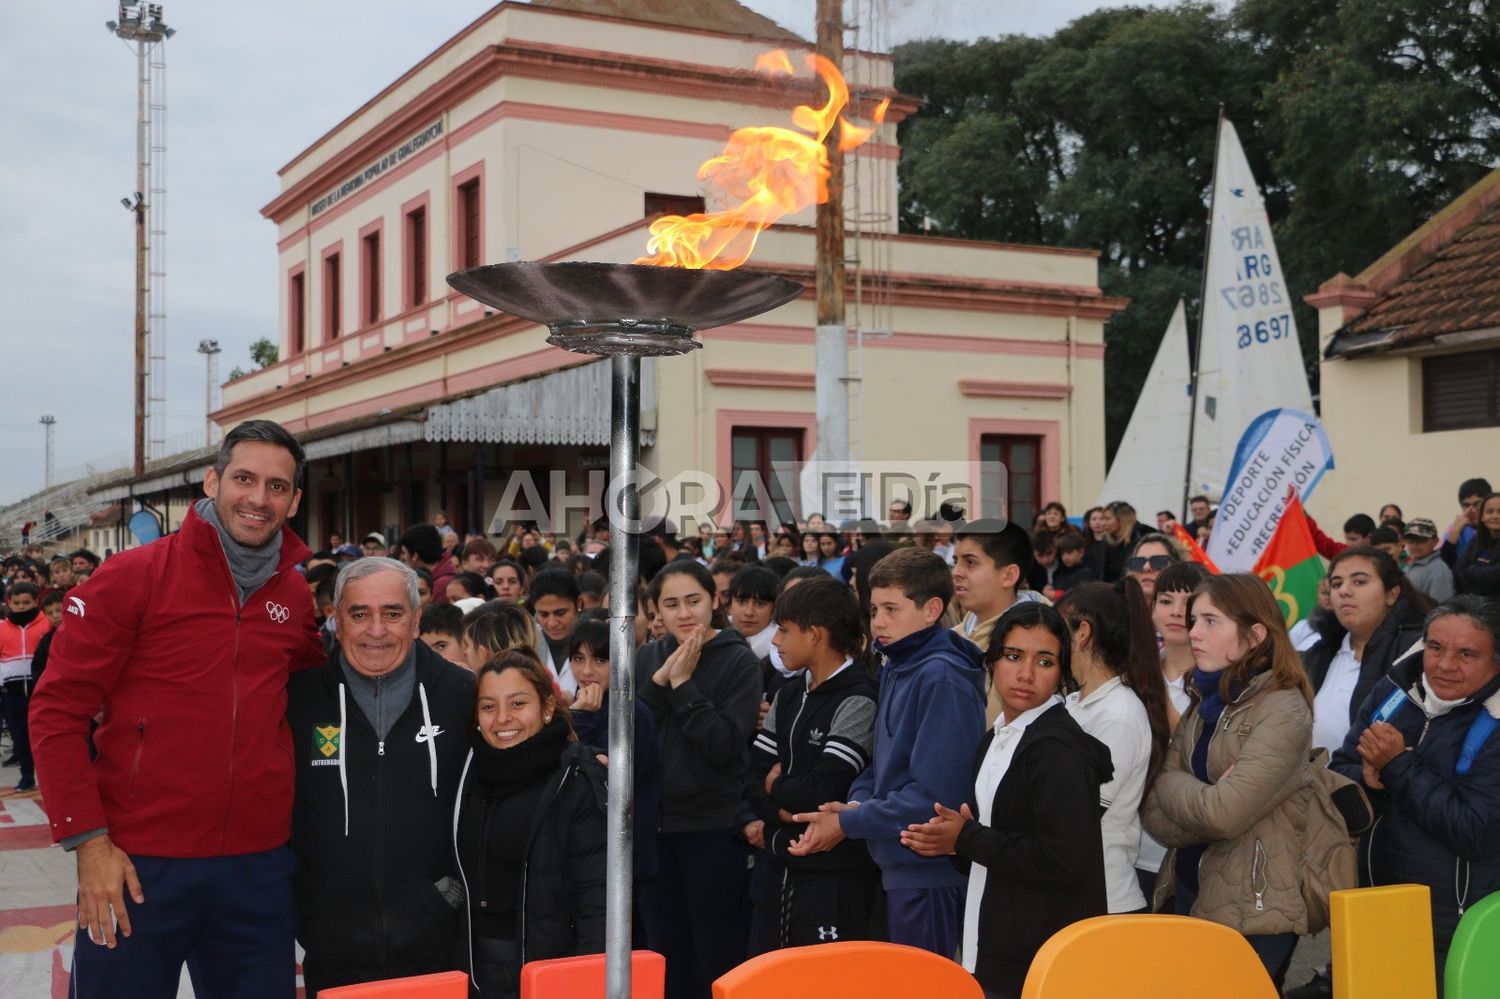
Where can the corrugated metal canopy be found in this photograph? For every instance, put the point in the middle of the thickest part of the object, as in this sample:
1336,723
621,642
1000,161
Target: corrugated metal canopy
565,407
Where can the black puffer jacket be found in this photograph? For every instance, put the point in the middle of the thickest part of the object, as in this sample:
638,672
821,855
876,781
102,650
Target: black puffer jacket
1478,570
1434,826
1398,632
562,884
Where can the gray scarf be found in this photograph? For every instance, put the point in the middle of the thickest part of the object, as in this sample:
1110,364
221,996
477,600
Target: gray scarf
383,699
251,567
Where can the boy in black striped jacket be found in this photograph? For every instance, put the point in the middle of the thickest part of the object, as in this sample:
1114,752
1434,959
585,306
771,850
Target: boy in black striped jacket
816,739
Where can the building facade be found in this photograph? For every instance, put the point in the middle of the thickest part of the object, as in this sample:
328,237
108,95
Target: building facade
556,131
1411,367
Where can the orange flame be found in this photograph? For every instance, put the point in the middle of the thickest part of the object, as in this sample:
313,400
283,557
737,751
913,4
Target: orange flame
765,173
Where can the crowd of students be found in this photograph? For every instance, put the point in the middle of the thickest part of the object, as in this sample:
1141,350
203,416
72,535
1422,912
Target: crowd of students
961,736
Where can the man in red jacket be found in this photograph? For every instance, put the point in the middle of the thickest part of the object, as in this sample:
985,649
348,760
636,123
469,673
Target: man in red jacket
181,826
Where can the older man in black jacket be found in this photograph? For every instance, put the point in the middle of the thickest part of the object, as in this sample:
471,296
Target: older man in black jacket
380,732
1425,747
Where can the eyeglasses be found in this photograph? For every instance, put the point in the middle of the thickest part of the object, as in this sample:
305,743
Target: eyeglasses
1139,563
1471,504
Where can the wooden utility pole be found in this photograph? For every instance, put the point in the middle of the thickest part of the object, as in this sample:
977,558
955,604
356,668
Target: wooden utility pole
832,336
830,218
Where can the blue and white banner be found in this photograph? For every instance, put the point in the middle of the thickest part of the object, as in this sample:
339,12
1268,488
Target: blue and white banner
1281,449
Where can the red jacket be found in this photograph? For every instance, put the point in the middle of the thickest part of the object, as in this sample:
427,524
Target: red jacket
18,645
1326,546
195,759
443,572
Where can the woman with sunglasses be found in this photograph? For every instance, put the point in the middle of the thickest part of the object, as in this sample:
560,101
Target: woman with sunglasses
1151,554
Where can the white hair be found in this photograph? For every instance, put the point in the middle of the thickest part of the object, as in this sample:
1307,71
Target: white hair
361,568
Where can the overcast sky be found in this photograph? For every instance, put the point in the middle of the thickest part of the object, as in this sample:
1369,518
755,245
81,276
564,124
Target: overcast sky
249,86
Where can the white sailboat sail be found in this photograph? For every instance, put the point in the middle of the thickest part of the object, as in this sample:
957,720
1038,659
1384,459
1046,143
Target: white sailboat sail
1147,470
1250,360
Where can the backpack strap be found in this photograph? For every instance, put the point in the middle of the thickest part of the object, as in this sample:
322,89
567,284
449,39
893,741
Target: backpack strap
1479,730
1389,706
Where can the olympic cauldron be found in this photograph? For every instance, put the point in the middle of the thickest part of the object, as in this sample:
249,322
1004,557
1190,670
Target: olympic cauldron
623,312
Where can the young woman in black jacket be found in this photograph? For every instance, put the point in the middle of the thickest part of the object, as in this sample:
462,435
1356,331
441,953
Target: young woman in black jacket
1478,567
1035,851
703,686
1377,618
588,655
528,830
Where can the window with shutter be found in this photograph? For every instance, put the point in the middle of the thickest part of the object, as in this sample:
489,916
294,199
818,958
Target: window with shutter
469,223
416,222
673,204
333,305
1460,391
370,278
296,311
757,454
1011,480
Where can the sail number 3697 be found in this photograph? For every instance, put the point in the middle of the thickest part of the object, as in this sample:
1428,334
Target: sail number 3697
1264,331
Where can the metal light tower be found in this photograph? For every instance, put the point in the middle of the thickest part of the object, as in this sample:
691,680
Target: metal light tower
49,422
144,25
210,351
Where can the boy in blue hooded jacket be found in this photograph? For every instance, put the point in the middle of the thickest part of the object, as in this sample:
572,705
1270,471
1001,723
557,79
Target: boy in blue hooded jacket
928,724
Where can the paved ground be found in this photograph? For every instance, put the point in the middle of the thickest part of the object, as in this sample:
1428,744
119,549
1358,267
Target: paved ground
1312,954
37,884
36,906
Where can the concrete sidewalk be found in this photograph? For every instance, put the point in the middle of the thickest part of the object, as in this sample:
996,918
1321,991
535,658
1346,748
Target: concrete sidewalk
38,885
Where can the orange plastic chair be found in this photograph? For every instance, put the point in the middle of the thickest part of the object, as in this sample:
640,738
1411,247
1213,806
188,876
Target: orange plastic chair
1381,939
444,985
583,977
1138,957
856,968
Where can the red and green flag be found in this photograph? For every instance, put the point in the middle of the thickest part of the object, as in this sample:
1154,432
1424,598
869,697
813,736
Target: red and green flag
1290,564
1191,547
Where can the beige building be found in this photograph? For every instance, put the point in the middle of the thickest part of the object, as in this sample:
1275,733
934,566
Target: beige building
1411,367
554,131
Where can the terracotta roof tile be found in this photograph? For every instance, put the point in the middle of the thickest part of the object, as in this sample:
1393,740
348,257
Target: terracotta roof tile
1456,291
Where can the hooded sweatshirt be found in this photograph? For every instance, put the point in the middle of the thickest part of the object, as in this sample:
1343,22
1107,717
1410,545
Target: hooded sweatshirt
928,723
703,727
372,822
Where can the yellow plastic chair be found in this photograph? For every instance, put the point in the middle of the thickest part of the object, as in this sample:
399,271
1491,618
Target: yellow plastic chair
1382,943
444,985
1140,957
856,968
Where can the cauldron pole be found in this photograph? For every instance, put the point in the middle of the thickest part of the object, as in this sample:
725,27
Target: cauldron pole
624,312
624,570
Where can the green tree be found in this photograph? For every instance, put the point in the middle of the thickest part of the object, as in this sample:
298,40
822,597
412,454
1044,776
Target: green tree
1101,136
263,353
1360,119
1378,114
